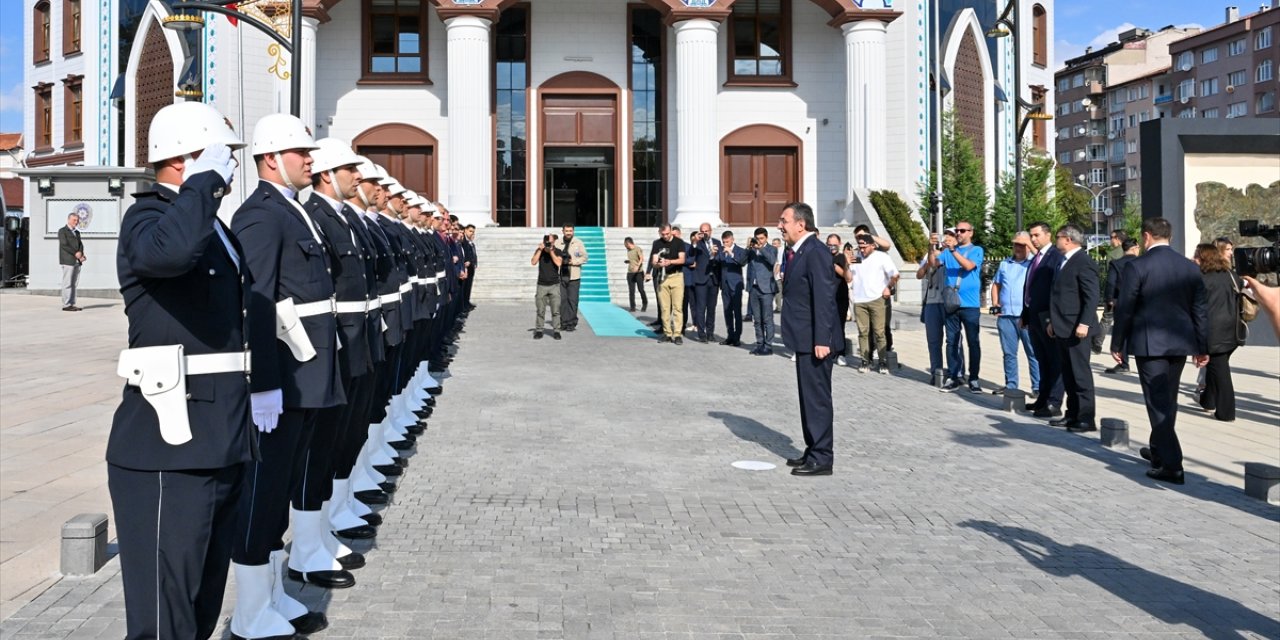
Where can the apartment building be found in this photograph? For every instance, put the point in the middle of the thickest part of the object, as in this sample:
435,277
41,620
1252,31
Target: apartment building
1228,71
1129,105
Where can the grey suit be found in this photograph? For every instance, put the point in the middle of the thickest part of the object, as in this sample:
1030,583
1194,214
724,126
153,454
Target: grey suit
761,290
70,246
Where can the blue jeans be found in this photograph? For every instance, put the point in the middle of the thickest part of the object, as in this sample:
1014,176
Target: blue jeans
966,317
1010,336
934,319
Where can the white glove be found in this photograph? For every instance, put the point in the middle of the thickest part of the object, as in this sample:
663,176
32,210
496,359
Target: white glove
267,407
217,158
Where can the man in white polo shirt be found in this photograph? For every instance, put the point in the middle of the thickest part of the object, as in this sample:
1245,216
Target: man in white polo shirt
874,276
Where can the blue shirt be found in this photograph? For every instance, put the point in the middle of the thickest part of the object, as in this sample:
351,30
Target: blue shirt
1012,277
971,281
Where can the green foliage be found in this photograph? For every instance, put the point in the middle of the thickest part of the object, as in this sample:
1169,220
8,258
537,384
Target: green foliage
1132,220
1035,203
1070,202
904,231
964,189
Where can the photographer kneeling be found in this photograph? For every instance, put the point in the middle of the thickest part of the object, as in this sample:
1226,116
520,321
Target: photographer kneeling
548,259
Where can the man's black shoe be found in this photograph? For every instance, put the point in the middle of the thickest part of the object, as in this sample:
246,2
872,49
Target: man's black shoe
537,335
568,328
556,334
423,414
1116,370
1080,426
1062,422
291,636
1172,476
372,497
664,339
363,532
755,351
388,470
372,518
1047,412
400,462
387,487
766,351
796,462
401,445
1146,454
310,622
431,401
327,579
679,340
811,469
417,429
352,560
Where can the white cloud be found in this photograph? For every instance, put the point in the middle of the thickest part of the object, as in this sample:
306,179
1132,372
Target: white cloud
11,100
1064,50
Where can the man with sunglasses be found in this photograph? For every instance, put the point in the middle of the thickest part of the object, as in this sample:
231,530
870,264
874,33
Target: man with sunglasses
961,262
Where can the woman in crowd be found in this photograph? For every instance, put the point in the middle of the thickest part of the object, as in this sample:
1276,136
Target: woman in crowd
1223,291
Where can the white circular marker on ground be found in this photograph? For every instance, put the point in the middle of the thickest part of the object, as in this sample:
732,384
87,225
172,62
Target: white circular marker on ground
754,465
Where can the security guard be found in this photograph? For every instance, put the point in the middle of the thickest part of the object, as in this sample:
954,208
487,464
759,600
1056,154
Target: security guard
297,374
183,430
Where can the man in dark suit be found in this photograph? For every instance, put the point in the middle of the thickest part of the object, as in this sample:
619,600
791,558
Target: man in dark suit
704,268
174,483
287,254
1073,317
1035,312
762,286
1115,269
809,329
70,257
731,258
469,246
1161,318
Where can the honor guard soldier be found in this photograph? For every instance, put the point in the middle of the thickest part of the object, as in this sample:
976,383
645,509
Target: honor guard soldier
183,429
294,375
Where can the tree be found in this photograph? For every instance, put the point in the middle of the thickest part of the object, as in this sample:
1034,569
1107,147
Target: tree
1036,170
1132,220
1070,202
903,230
964,188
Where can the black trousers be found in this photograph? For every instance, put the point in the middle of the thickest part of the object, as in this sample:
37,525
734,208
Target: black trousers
357,431
635,282
1077,377
1219,392
1160,377
175,530
268,484
704,307
888,323
569,302
690,294
813,378
731,295
1050,370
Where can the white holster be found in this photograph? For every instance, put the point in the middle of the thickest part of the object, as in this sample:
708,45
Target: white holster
290,331
160,373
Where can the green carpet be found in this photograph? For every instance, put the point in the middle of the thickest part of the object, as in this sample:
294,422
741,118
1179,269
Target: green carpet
609,320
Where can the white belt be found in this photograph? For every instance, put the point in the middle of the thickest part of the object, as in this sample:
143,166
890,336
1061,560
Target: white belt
406,287
430,280
373,303
439,274
352,307
206,363
316,308
415,280
389,298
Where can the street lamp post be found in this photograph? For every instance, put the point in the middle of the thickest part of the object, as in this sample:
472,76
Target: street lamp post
1096,193
1007,25
185,18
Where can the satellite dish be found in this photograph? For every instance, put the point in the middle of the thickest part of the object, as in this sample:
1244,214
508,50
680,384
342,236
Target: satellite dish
1185,99
1231,88
1185,66
1107,212
1086,102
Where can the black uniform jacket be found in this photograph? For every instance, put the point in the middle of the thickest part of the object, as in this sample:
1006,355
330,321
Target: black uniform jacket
350,284
377,267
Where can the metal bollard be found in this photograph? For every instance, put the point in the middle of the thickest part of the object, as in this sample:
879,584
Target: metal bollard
1262,481
1014,400
84,544
1115,433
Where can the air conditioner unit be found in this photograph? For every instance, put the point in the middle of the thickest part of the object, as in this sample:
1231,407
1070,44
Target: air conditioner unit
1231,88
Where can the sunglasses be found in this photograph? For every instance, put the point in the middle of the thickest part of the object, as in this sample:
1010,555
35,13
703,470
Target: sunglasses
964,230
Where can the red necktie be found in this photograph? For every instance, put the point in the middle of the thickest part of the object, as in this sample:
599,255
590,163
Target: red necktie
1031,274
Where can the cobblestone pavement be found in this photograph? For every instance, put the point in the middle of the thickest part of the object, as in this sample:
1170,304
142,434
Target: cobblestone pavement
583,489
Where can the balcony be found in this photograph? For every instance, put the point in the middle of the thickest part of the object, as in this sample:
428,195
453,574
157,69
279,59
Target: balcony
1094,87
1164,99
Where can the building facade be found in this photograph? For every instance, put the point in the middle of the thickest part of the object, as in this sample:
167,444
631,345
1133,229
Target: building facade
1228,71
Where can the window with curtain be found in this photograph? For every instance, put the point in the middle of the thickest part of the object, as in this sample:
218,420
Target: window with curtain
511,83
70,26
73,111
395,40
760,42
44,117
1039,36
40,39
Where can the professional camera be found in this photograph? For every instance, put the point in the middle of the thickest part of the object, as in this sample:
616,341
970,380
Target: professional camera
546,242
1252,261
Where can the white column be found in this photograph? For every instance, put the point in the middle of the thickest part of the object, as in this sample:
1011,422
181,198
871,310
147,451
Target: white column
865,104
697,150
308,59
470,146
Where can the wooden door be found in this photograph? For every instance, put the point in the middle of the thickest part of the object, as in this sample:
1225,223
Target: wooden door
758,184
414,167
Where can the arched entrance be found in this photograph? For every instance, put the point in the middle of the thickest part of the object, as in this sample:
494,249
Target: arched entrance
407,152
760,173
578,148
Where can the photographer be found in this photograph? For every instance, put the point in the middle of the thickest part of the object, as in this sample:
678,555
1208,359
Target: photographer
762,259
668,264
548,258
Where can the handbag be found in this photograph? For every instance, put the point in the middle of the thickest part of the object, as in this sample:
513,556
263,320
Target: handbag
951,299
1248,306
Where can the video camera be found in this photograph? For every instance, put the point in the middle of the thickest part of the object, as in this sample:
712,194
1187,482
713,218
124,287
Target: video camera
1252,261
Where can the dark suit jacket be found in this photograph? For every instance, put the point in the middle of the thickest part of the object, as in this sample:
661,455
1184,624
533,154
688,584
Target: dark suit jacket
390,275
704,269
69,244
760,269
180,286
1074,298
402,252
347,257
1162,308
808,299
287,262
1039,286
1114,272
373,263
730,262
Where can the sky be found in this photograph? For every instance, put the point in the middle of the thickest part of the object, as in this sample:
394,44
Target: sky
1077,24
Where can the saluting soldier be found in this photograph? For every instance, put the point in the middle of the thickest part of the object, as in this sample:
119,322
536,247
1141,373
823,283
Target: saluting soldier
298,374
178,442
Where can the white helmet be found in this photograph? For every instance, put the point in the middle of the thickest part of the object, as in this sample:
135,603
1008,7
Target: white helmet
394,188
386,175
184,128
430,207
331,154
371,171
281,132
410,196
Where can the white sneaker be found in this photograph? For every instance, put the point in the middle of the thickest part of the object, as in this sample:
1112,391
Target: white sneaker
841,361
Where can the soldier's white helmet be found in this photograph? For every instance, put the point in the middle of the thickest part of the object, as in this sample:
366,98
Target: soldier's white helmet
394,188
386,174
430,207
370,171
187,127
331,154
278,132
410,196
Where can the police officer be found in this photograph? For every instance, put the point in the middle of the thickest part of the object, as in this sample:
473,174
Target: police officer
286,252
178,442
